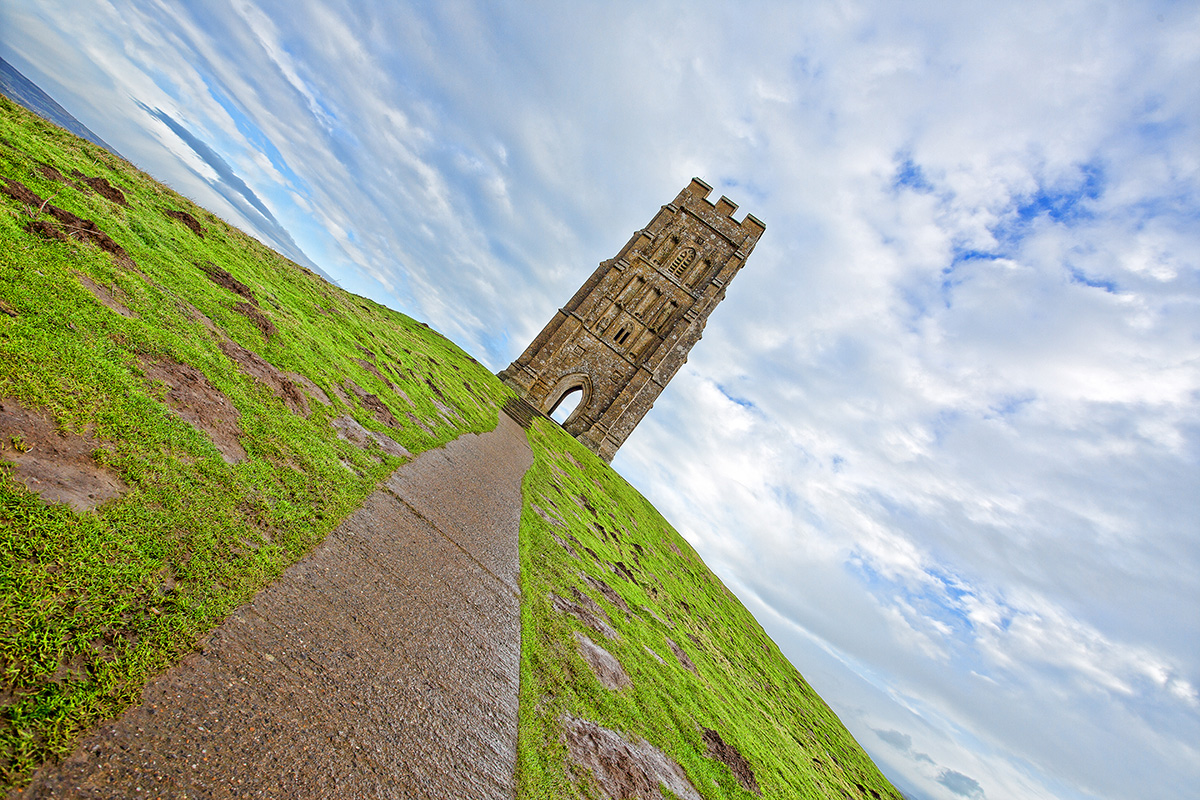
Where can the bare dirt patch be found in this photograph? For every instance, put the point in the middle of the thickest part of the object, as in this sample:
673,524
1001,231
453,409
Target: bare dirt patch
47,230
587,611
371,368
604,664
103,188
187,219
223,279
201,405
84,230
450,413
445,403
105,296
252,312
722,751
416,421
571,551
265,373
609,593
313,390
58,466
49,171
341,395
349,429
654,655
20,192
682,656
619,568
655,615
373,404
549,517
196,315
622,769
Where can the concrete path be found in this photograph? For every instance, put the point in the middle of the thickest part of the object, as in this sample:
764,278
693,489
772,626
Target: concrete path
383,665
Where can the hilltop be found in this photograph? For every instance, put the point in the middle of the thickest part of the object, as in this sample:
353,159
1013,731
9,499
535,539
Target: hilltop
184,413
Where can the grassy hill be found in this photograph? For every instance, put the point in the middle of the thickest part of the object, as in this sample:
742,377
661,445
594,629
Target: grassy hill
184,413
698,677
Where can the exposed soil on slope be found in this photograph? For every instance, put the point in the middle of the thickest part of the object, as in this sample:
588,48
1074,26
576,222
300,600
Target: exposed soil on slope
260,320
609,593
571,551
187,219
371,368
622,769
376,406
681,655
349,429
51,172
607,668
718,748
103,188
222,278
106,297
313,390
265,373
202,405
587,611
46,230
58,466
20,192
85,230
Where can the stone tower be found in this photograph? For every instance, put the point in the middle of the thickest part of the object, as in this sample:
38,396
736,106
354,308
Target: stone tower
629,328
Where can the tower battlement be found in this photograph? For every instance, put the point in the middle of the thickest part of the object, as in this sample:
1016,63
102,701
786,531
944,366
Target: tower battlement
723,207
629,328
719,215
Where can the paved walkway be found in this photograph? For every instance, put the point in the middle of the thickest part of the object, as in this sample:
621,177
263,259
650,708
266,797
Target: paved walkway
383,665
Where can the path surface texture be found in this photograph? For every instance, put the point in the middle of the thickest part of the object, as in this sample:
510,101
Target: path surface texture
383,665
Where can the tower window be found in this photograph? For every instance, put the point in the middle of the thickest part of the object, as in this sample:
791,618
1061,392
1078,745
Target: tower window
622,335
681,262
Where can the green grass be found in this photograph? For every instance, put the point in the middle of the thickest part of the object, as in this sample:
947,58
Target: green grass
744,687
93,605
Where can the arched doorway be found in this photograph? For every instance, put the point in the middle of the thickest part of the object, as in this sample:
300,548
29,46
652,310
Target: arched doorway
568,399
564,409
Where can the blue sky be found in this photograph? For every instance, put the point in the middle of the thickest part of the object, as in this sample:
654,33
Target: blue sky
942,437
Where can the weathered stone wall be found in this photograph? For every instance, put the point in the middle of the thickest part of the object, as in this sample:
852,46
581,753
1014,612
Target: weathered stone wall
629,328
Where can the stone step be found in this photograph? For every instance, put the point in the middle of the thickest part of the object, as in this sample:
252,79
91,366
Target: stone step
521,412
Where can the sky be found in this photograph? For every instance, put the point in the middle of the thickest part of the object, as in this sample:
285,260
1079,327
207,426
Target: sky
943,436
